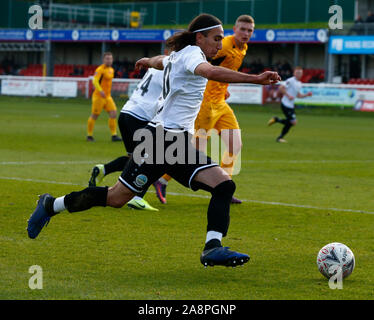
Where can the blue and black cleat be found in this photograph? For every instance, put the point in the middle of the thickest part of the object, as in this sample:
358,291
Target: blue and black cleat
39,217
222,256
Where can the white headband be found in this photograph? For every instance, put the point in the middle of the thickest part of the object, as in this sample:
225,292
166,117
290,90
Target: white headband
207,28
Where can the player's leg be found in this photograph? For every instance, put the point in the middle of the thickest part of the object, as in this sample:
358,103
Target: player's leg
133,180
219,184
207,175
228,127
288,123
96,108
160,187
275,119
127,126
230,133
111,108
99,171
85,199
204,123
286,128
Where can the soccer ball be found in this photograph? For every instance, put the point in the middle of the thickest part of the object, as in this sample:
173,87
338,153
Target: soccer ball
334,256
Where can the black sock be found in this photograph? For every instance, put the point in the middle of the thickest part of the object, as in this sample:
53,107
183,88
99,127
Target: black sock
116,165
86,199
283,121
141,195
219,207
49,206
214,243
286,128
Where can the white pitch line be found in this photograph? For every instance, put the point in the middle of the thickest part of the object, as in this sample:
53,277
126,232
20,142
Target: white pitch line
47,162
308,161
272,203
40,181
243,161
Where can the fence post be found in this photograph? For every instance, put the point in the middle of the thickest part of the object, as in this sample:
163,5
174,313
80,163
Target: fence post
363,66
225,12
10,9
177,12
296,54
307,6
252,8
279,18
154,13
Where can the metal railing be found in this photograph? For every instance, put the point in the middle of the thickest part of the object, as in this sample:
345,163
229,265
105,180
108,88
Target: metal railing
74,15
355,29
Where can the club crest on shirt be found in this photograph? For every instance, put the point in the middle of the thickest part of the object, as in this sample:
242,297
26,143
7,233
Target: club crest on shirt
140,180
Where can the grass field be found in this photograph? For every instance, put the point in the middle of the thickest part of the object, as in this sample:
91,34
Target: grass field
318,188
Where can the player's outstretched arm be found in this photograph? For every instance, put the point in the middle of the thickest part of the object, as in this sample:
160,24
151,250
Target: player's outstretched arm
283,91
154,62
221,74
308,94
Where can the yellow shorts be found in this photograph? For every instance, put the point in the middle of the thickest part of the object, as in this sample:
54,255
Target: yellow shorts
100,103
213,115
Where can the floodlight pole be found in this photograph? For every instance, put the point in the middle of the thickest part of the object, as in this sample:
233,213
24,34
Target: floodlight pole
103,48
48,56
363,66
296,54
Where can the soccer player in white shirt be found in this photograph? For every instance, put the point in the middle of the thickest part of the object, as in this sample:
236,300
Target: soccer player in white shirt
186,71
290,90
135,114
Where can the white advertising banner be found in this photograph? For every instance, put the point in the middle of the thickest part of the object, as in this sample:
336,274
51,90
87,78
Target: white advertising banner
39,88
22,88
65,89
365,95
326,96
245,94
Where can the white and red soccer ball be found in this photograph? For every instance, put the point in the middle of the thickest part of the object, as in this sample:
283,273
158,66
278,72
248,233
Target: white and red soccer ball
335,257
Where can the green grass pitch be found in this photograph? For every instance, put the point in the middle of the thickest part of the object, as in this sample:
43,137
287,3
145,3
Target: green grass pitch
299,196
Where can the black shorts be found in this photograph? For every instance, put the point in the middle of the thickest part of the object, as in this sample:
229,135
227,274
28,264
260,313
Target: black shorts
171,152
288,112
128,125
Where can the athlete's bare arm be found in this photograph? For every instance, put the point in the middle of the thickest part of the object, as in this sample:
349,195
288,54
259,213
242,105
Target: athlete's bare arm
221,74
283,91
154,62
308,94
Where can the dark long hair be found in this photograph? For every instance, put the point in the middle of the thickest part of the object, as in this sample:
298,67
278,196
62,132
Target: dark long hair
184,38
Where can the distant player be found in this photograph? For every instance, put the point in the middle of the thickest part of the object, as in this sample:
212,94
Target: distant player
290,90
215,113
102,99
135,114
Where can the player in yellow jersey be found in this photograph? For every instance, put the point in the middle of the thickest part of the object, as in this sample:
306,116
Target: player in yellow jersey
102,99
215,113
